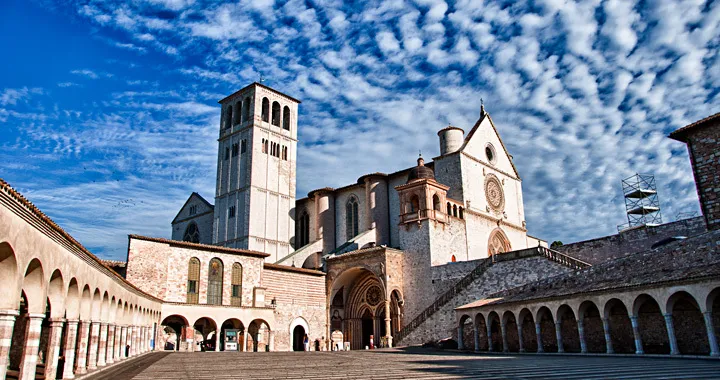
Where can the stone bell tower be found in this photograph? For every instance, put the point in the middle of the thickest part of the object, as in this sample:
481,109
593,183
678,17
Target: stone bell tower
256,170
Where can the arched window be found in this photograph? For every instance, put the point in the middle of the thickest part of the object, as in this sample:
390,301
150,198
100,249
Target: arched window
228,116
414,203
276,114
460,211
192,234
498,243
265,110
215,280
236,299
246,110
351,218
286,118
237,112
193,278
455,211
449,209
303,237
453,259
436,203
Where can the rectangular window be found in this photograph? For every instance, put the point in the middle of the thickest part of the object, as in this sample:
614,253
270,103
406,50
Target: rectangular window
234,150
236,290
227,153
192,286
243,147
231,212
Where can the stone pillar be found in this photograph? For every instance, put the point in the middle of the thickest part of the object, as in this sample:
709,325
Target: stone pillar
636,333
608,338
70,340
476,338
558,336
538,335
521,344
503,331
388,333
93,347
461,346
245,337
81,355
122,336
489,337
28,363
714,351
7,323
141,340
218,340
132,340
581,334
102,344
671,334
110,352
53,347
271,341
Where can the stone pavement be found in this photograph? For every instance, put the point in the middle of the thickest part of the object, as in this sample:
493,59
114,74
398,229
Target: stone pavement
412,363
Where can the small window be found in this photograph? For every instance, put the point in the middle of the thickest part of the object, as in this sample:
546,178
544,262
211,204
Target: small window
227,153
460,211
246,110
265,113
236,291
455,211
276,114
231,212
264,146
453,259
243,146
235,148
192,286
286,118
490,153
449,209
193,209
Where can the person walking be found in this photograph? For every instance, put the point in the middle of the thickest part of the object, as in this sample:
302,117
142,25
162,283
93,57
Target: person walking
306,343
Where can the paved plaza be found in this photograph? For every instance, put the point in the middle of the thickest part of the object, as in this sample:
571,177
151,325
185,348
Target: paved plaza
403,364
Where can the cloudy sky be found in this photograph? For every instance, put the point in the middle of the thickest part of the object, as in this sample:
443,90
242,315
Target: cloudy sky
109,114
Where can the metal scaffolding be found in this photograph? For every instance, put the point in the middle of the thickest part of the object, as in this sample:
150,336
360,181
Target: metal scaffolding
642,205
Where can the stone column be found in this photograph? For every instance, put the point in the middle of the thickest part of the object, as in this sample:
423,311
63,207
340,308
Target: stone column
28,362
7,323
245,337
581,334
93,347
476,338
102,344
461,346
608,338
558,336
503,331
388,333
538,335
119,343
70,340
53,347
636,334
671,334
110,353
489,337
218,340
714,351
141,340
521,344
271,341
132,338
81,355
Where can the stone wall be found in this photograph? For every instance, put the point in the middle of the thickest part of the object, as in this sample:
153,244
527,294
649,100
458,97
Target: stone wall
501,275
297,295
640,239
704,144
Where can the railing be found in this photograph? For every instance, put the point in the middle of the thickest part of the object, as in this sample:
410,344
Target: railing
443,299
424,214
548,253
563,259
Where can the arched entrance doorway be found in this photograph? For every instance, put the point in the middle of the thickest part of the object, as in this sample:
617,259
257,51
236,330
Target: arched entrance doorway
367,328
298,336
174,329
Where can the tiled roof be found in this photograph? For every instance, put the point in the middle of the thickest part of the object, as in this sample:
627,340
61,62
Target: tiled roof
692,259
680,133
288,268
204,247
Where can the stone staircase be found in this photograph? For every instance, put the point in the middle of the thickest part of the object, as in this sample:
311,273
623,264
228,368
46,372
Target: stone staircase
478,271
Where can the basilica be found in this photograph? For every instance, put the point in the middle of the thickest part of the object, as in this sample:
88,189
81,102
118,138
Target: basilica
435,251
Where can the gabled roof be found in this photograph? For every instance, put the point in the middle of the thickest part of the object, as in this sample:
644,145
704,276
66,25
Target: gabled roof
681,133
188,201
475,128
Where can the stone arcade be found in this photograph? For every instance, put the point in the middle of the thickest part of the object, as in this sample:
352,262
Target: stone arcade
437,250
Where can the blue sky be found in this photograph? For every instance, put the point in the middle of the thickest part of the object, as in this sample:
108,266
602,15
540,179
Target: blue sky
109,115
